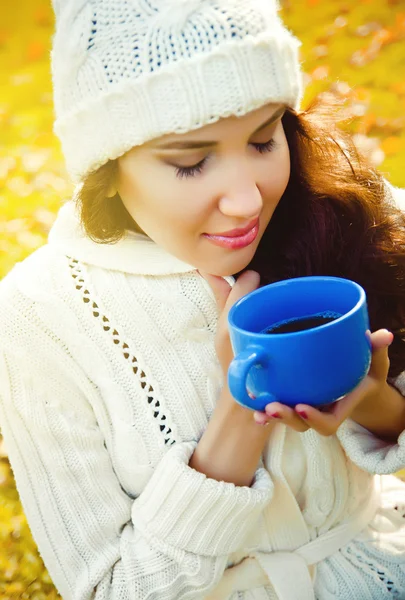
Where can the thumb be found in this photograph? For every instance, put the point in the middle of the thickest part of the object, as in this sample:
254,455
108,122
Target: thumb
246,283
220,288
380,341
225,295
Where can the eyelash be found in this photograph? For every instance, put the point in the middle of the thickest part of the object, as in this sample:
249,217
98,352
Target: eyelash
185,172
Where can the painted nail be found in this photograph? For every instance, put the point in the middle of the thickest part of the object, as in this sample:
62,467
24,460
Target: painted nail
302,414
274,415
263,423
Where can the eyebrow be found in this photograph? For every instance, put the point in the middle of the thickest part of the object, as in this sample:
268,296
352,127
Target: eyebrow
193,145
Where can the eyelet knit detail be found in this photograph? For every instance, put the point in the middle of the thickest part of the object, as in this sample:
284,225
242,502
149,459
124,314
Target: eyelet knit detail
371,567
83,287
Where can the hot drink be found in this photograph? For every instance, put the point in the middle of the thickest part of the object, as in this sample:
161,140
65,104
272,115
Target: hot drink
302,323
325,350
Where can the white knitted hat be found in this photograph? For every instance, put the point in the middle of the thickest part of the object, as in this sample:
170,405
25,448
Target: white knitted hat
127,71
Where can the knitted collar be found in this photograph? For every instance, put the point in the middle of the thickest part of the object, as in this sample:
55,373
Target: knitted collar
134,253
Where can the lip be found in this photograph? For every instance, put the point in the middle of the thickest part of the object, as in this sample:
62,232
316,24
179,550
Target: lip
236,241
236,232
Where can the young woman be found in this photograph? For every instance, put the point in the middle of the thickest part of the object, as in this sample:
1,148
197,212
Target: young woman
197,173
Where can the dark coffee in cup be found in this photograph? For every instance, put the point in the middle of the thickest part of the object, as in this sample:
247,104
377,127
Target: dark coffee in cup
302,323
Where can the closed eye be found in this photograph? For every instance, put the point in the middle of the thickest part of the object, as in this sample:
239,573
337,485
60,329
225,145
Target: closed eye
266,146
193,170
184,172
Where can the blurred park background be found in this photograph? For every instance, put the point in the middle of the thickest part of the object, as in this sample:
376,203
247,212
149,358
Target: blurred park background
355,50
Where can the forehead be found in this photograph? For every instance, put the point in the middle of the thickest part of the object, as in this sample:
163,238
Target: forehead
246,123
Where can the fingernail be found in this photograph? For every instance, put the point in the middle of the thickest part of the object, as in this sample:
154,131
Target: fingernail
302,414
261,421
259,417
274,415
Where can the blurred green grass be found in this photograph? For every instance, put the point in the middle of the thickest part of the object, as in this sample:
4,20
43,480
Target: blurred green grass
354,50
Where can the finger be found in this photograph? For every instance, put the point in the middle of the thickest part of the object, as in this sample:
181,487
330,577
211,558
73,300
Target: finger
246,283
327,422
261,418
286,415
225,295
380,341
323,423
220,288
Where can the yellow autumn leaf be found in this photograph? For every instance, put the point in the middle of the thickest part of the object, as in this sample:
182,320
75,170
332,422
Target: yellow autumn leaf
361,94
35,50
398,87
320,72
392,145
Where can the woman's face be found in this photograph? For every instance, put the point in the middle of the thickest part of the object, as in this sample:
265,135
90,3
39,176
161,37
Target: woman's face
183,190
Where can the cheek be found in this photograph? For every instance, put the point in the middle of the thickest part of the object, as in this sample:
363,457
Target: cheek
160,203
184,202
166,200
147,192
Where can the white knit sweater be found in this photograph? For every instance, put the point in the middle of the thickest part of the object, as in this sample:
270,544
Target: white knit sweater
108,377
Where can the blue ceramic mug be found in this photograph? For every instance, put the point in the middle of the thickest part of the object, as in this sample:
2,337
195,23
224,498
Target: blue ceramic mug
302,340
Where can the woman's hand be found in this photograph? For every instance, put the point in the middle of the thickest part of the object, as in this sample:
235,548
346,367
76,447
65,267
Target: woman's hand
226,296
366,397
232,443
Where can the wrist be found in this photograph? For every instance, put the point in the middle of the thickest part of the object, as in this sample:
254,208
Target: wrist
232,444
383,413
237,414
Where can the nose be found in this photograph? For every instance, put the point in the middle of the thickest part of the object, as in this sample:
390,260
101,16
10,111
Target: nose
241,197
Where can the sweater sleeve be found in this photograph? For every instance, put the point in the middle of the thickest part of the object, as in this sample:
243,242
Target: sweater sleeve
368,451
170,543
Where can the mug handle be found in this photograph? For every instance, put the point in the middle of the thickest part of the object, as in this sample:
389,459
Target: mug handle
237,375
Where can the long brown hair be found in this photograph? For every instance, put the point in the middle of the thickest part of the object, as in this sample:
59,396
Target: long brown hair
334,218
